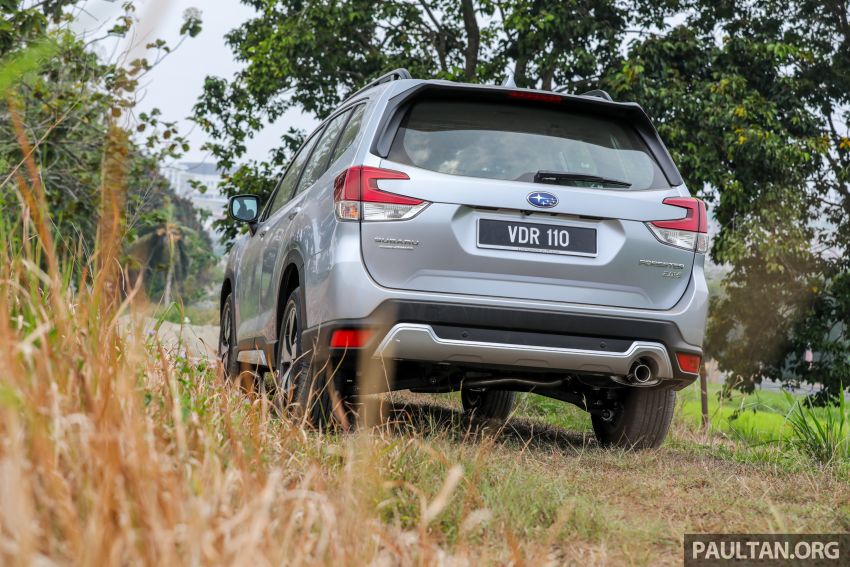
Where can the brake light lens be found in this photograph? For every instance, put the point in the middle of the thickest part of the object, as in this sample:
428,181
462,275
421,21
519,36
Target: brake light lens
689,232
357,197
688,362
350,338
537,97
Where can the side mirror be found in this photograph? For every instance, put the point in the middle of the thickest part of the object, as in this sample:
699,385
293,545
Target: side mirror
244,208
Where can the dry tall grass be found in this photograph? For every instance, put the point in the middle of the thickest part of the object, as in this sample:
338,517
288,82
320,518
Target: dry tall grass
113,451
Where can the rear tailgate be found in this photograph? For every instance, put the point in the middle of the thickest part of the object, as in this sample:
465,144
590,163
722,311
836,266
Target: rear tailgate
438,250
482,233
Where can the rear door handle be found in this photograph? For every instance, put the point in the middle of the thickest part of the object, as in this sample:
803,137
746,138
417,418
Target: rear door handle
294,212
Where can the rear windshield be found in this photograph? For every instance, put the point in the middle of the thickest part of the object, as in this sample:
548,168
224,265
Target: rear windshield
514,142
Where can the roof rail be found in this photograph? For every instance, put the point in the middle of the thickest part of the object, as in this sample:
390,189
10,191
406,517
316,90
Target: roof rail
394,75
599,93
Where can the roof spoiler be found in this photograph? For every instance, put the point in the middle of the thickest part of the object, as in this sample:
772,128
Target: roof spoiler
598,93
508,81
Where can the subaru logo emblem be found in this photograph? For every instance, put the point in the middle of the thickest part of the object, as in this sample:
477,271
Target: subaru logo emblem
542,199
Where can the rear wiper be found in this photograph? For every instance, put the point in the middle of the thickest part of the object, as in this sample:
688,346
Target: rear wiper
556,177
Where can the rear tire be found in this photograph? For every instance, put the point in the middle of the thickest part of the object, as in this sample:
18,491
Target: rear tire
489,404
301,388
641,422
227,339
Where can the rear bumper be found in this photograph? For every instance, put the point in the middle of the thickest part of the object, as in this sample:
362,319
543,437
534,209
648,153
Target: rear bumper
533,340
416,341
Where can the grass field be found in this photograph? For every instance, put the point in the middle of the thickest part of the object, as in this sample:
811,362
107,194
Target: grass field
114,449
760,417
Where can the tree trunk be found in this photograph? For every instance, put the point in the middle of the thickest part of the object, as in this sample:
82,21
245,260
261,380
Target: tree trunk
520,71
169,279
473,39
169,276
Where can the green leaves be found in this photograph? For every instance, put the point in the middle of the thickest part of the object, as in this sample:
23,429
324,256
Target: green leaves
744,98
16,66
191,22
68,98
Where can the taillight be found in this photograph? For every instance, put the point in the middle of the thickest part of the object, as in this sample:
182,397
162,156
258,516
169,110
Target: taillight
688,362
690,232
357,197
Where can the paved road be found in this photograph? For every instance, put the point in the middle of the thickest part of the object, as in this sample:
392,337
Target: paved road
194,341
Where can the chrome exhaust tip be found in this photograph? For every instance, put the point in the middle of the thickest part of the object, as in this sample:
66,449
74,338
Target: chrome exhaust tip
640,373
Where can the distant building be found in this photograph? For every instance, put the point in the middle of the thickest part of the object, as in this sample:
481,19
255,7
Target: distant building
184,175
187,179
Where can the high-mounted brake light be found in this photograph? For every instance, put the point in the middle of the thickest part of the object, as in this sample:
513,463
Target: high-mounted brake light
689,232
530,95
356,196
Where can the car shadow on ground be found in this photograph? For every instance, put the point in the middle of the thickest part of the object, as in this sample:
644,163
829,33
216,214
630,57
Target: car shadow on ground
404,416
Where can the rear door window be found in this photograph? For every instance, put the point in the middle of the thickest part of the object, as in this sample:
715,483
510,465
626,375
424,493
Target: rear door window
515,142
350,132
318,162
290,178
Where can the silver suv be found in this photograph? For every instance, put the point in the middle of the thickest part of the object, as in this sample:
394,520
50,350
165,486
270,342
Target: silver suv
487,239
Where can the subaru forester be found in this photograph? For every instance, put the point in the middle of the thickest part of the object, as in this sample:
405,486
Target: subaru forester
486,239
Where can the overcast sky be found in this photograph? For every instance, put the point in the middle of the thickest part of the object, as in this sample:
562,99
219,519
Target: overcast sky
174,85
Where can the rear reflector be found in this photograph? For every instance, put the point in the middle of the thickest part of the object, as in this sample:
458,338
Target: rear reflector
689,232
688,362
356,196
350,338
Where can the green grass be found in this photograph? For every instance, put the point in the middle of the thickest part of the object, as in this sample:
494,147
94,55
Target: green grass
553,412
760,417
751,429
548,410
823,437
